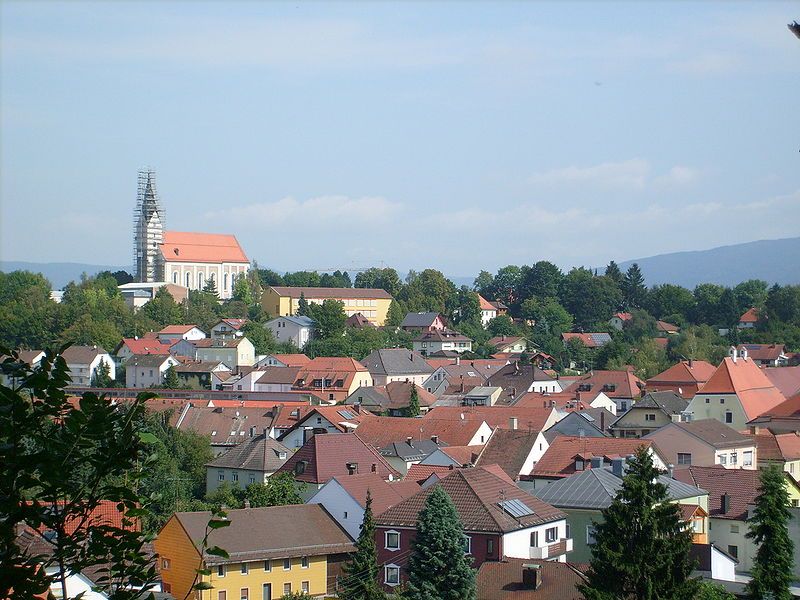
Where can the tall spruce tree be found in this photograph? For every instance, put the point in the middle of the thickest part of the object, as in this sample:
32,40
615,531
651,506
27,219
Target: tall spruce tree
413,402
634,292
614,273
171,380
772,568
361,571
641,548
438,568
302,306
101,378
211,287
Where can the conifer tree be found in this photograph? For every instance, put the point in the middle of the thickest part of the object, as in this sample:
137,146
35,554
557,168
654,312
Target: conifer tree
211,287
361,572
438,567
634,291
413,402
302,306
171,381
102,376
772,568
641,550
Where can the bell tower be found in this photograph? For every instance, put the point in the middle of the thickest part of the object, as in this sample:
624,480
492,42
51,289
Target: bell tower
148,232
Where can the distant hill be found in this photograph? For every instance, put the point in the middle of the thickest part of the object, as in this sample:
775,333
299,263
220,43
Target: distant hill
59,274
775,261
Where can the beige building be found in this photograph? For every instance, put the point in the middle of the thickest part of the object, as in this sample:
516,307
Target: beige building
238,352
373,304
705,443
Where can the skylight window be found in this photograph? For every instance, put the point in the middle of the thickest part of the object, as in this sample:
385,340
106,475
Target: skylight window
516,508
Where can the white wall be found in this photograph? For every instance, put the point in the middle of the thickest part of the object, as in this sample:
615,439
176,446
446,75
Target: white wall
147,377
295,437
177,272
341,506
722,567
517,544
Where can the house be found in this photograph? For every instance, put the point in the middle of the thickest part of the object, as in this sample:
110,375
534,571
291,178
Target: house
83,361
569,401
583,496
749,319
422,322
234,352
392,399
397,364
148,370
33,358
198,375
225,427
786,379
320,420
324,457
332,379
665,329
590,340
499,520
137,294
705,443
506,417
129,347
784,418
623,387
488,310
736,393
526,579
252,461
465,374
402,455
568,455
590,422
358,321
781,449
422,474
482,395
766,355
382,431
515,451
653,411
619,319
284,301
542,360
272,379
517,379
271,551
172,333
228,328
294,329
508,344
684,378
441,340
283,360
731,499
345,497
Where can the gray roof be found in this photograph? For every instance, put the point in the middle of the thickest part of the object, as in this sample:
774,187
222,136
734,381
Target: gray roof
713,432
481,391
147,360
420,319
369,395
260,453
396,361
668,401
419,450
575,423
300,320
81,355
596,488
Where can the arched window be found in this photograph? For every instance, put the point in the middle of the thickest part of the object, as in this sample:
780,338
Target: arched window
188,280
174,277
199,281
225,282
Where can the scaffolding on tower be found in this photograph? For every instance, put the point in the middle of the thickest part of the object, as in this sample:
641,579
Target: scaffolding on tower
148,230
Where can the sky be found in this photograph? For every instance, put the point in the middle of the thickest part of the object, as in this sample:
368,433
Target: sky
457,136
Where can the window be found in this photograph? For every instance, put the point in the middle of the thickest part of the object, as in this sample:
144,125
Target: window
175,277
305,587
244,568
287,564
200,280
551,534
188,280
392,540
734,529
244,593
268,565
697,525
391,575
650,417
795,502
235,476
220,570
221,595
304,562
708,400
579,464
287,589
467,544
747,458
569,531
252,478
723,459
684,458
345,514
220,475
728,416
534,539
590,534
722,400
623,406
733,551
734,458
151,372
489,547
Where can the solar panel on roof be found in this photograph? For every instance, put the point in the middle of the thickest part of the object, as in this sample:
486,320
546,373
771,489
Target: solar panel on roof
346,414
516,508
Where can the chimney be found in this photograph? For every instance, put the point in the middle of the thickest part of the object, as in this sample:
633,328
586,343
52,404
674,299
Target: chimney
531,576
512,423
265,431
597,462
743,353
691,362
252,431
733,353
352,468
725,503
435,439
462,384
603,421
617,466
670,469
516,366
409,439
458,360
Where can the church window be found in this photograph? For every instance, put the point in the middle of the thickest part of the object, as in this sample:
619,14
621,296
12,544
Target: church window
200,280
174,277
188,280
225,281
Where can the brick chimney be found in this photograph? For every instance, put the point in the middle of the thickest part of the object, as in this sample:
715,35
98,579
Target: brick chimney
531,576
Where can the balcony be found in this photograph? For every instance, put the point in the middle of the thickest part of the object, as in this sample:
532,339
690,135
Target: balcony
552,550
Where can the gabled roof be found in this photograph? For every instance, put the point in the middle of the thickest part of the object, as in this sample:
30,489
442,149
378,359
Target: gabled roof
225,426
504,340
384,493
382,431
81,355
200,366
148,360
419,472
441,335
260,453
665,327
508,448
516,378
416,450
686,372
623,316
743,378
394,395
591,422
786,379
741,486
780,447
463,455
177,329
326,455
502,580
299,320
614,384
179,246
277,375
670,403
485,304
751,316
326,292
590,340
143,346
270,532
476,494
292,360
559,459
763,351
419,319
396,361
344,418
711,431
232,323
533,418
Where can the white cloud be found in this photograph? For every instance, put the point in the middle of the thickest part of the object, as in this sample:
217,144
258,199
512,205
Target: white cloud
626,174
678,175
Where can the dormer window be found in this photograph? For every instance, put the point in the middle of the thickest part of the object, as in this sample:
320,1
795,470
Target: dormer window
300,467
579,464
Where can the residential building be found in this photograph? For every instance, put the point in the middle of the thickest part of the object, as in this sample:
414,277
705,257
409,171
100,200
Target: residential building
332,379
345,497
513,450
397,364
30,357
198,375
784,418
296,330
271,551
590,340
619,319
526,579
585,494
736,393
421,322
568,455
358,321
234,352
129,347
228,328
786,379
372,303
403,455
766,355
781,449
382,431
623,387
441,340
482,395
499,520
83,361
506,417
271,379
517,379
749,319
252,461
683,378
283,360
653,411
173,333
137,294
148,370
392,399
192,259
464,374
320,420
508,344
450,457
590,422
488,310
225,427
665,329
569,401
705,443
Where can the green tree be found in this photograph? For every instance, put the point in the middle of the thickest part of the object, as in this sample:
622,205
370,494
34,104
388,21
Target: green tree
751,293
242,291
541,280
303,308
163,309
729,310
396,314
483,284
171,380
467,307
769,529
783,303
261,337
101,378
269,277
712,591
590,300
329,319
438,568
210,287
506,284
668,300
28,317
360,581
706,308
614,273
413,402
280,489
501,325
641,523
430,290
386,279
634,291
202,309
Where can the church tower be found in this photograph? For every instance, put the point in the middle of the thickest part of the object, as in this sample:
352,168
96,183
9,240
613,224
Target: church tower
148,231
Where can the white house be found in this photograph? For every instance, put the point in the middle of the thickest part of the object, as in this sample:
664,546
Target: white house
147,370
296,330
83,362
228,328
172,333
32,357
397,364
323,419
445,340
252,461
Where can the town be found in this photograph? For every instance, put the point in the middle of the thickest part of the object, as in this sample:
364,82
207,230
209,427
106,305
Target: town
322,436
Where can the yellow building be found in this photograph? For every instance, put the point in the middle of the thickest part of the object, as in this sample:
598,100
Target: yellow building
281,301
272,551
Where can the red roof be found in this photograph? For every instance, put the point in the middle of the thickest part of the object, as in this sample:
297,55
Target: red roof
334,293
623,316
559,459
590,340
741,486
786,379
681,376
105,513
780,447
751,316
463,455
419,472
614,384
292,360
382,431
485,304
744,379
502,580
177,329
179,246
384,493
667,327
145,346
763,351
504,340
528,417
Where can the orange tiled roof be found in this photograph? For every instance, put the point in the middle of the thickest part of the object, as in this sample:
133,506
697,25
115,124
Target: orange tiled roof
743,378
559,459
751,316
485,304
145,346
173,329
180,246
528,417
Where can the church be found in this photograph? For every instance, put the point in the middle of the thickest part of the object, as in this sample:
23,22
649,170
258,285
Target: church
182,258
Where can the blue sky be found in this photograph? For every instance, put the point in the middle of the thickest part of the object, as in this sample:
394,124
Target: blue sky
460,136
